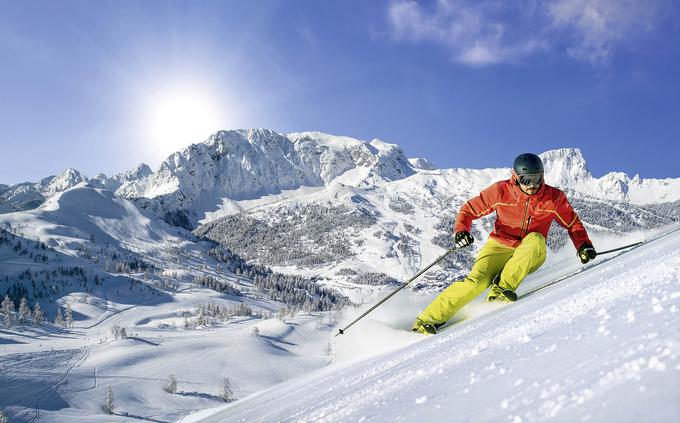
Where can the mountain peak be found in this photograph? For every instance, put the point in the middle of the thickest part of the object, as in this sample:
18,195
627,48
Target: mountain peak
65,180
249,163
141,170
422,163
334,142
565,167
69,173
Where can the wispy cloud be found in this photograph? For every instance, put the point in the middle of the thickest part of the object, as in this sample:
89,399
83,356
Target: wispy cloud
486,32
595,28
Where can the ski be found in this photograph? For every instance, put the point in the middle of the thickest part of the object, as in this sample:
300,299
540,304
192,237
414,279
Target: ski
631,247
555,281
574,273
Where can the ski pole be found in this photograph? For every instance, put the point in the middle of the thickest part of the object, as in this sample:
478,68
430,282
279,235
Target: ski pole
440,258
620,248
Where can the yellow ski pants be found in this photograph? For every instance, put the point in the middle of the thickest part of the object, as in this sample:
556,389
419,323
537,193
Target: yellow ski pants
513,265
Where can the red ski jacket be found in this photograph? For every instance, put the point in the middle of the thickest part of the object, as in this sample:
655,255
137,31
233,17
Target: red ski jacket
518,214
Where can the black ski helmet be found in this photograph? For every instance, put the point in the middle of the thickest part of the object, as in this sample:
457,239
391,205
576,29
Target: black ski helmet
528,163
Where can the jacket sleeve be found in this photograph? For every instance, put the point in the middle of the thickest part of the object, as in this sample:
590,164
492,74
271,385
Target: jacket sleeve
568,219
477,207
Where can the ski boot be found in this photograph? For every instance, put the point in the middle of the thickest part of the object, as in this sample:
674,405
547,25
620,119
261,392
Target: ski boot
500,295
425,328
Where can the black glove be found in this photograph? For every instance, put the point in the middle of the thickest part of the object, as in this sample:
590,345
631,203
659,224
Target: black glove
586,252
463,239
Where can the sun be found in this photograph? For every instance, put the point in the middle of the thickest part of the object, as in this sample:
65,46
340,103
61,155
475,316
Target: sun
180,117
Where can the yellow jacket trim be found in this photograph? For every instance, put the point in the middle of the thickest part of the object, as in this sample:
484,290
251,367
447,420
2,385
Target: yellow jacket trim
490,208
567,225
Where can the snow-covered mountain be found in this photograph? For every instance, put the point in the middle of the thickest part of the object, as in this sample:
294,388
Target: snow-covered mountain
422,164
244,165
248,164
116,181
345,209
387,214
283,222
28,196
566,168
241,165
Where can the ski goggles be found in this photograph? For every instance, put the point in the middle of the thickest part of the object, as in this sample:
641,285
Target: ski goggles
530,179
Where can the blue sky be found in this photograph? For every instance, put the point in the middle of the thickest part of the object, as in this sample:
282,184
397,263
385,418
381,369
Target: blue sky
94,85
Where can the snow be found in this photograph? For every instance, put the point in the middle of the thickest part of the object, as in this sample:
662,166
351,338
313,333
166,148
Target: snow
566,168
249,164
327,140
422,163
601,345
66,377
57,374
381,145
566,354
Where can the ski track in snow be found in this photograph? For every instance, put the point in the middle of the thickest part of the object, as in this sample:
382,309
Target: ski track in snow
81,355
74,358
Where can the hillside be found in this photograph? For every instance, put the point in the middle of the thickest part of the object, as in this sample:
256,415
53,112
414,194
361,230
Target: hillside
247,252
140,301
600,346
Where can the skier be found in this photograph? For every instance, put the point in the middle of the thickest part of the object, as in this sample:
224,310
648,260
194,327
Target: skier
525,208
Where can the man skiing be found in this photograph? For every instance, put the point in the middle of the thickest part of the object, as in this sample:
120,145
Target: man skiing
525,208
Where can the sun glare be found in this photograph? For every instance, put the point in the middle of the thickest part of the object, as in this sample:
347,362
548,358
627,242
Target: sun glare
180,118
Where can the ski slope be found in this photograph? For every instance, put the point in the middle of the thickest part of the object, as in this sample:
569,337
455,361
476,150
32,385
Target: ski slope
60,374
603,345
497,357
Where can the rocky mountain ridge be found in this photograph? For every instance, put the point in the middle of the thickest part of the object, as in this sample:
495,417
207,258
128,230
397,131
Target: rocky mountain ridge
249,164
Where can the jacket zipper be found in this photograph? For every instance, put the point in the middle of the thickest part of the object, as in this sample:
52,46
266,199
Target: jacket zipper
528,223
526,210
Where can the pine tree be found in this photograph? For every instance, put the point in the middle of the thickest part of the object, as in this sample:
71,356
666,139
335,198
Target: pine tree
200,319
38,314
58,320
256,331
68,317
227,393
7,308
282,314
108,400
171,386
24,311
